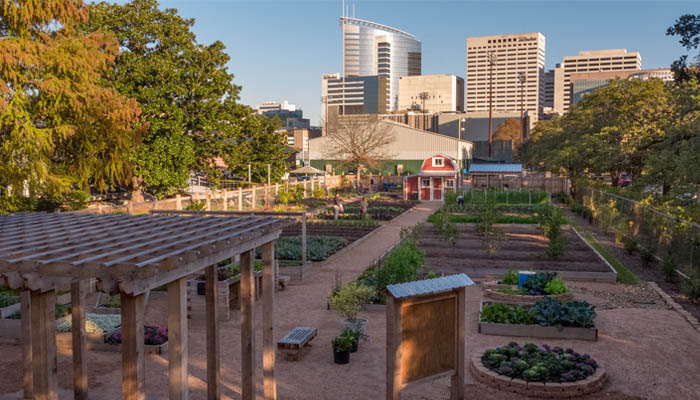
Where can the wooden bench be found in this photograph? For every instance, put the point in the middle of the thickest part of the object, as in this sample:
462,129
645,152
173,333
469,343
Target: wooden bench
292,344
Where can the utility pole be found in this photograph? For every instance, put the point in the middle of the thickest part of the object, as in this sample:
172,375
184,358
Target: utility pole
268,175
249,175
492,61
460,159
522,78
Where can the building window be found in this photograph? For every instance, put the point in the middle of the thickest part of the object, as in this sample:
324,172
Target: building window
438,162
449,183
425,182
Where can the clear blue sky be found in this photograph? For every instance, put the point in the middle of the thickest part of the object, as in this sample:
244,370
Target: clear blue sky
279,49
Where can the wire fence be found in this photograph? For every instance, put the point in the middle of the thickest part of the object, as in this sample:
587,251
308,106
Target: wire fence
640,227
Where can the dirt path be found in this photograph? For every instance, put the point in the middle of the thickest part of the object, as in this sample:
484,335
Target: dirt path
633,263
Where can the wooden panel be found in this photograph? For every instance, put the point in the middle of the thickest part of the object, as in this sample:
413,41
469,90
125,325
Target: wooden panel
247,319
177,340
393,348
213,338
133,384
428,338
44,345
269,385
80,374
25,304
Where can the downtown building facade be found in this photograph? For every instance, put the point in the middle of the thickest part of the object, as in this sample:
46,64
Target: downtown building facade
431,93
583,83
508,67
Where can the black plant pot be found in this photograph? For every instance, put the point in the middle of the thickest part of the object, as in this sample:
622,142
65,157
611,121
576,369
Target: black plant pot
353,348
341,357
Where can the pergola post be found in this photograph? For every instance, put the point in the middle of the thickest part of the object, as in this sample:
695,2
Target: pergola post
177,339
26,312
44,366
303,240
212,309
80,374
133,362
269,385
247,319
457,383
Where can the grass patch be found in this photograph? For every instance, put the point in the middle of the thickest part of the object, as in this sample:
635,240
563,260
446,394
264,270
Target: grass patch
624,275
500,219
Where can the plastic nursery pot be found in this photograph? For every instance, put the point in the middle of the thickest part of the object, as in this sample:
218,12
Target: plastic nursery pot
341,357
353,348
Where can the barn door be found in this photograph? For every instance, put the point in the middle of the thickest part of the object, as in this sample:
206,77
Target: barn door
437,188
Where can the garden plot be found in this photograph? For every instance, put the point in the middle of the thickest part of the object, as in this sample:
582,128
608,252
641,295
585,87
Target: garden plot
522,248
348,231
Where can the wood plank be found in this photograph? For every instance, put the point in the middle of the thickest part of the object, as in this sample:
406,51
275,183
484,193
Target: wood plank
213,338
269,384
393,348
26,311
247,325
78,290
133,362
177,340
457,381
44,345
303,239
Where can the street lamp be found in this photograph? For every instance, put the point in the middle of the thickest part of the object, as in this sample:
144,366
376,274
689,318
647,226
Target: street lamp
492,61
460,160
522,78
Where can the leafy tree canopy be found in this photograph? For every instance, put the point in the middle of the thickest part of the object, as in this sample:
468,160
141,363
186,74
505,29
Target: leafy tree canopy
688,28
59,127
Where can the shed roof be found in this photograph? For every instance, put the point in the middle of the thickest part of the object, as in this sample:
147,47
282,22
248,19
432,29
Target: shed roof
429,286
505,167
135,252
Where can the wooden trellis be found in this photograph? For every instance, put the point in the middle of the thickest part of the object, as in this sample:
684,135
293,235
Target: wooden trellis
131,255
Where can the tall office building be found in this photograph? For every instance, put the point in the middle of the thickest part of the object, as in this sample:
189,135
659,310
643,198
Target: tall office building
353,95
590,61
505,59
374,49
583,83
431,93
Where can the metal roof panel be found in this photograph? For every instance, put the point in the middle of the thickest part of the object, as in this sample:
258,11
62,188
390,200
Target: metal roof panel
429,286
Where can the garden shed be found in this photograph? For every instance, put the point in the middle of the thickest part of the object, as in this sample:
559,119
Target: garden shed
438,174
131,255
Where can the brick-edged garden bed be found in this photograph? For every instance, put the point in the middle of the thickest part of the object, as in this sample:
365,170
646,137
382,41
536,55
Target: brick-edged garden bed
586,386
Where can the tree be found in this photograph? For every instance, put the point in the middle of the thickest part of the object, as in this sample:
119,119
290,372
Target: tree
187,95
688,28
60,129
509,129
358,142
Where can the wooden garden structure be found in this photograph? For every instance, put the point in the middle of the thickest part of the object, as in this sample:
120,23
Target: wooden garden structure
131,255
425,333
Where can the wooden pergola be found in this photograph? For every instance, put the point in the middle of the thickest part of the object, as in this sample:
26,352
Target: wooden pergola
131,255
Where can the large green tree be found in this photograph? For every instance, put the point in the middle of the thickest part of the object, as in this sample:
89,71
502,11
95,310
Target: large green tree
187,95
688,28
60,128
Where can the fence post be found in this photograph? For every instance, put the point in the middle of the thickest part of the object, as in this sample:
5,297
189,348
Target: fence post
252,203
130,207
178,202
277,189
208,201
225,196
303,239
240,199
267,195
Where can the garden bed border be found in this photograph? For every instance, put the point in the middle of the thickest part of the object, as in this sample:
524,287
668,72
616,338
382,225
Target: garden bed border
582,387
492,293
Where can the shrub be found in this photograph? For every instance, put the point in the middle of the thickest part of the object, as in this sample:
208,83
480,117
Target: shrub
319,193
77,200
630,244
691,286
646,255
342,343
349,299
510,277
539,364
492,236
549,221
401,265
112,301
197,206
668,267
447,228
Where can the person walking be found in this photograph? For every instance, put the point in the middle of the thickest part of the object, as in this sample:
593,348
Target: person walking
363,207
337,205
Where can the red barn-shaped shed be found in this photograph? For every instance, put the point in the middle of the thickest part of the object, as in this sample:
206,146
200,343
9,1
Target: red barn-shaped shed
438,174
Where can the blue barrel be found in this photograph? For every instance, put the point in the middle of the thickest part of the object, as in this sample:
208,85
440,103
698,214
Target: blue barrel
523,276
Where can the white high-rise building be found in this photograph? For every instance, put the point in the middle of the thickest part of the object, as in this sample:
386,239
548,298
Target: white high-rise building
371,49
503,61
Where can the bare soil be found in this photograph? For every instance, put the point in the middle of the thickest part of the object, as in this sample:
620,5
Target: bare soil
633,263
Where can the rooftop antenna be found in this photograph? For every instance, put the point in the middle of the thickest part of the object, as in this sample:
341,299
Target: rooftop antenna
353,10
343,10
347,10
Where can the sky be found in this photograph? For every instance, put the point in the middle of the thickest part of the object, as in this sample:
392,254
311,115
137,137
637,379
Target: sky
279,49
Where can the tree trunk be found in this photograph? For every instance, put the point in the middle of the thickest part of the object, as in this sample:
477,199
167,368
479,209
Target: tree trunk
615,179
136,195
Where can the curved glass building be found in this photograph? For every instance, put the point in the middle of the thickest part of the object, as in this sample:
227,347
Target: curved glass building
374,49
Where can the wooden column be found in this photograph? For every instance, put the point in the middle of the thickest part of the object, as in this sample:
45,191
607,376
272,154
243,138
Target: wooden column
393,348
240,199
457,386
26,312
269,385
177,340
247,324
133,362
303,240
44,366
212,309
78,290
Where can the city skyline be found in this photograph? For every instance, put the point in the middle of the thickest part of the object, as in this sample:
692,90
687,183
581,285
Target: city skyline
302,39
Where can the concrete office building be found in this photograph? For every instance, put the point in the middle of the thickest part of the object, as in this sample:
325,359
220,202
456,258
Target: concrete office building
370,49
431,93
273,106
513,56
353,95
589,61
583,83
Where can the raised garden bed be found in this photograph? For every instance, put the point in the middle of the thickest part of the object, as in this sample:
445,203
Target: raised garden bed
535,288
497,294
228,288
518,320
569,374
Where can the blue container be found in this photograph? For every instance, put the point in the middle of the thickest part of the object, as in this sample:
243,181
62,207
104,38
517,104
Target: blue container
523,276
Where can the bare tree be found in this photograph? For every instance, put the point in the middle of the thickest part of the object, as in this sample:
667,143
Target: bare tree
359,142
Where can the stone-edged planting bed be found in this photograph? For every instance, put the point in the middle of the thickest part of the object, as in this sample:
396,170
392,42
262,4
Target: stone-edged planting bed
560,390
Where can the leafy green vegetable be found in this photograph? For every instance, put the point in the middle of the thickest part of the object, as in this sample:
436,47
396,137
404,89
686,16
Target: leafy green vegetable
510,277
535,284
555,286
506,314
552,312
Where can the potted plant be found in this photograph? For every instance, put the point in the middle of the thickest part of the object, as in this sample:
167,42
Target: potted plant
341,349
354,337
348,301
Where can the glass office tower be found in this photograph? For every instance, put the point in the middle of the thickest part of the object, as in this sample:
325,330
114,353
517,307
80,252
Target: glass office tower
374,49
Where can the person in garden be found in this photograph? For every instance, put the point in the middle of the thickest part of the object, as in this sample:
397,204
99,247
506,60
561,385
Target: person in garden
363,207
460,200
337,205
